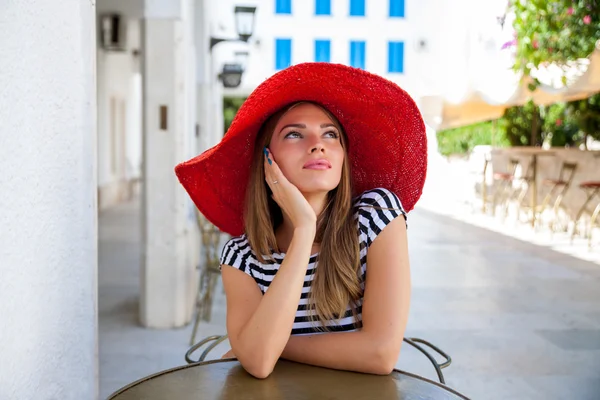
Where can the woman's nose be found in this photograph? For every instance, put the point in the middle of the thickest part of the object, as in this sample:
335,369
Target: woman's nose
316,144
317,147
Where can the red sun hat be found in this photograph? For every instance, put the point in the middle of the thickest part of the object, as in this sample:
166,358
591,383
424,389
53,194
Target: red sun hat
385,130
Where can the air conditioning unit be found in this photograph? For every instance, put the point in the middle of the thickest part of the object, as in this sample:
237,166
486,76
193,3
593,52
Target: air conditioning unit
113,32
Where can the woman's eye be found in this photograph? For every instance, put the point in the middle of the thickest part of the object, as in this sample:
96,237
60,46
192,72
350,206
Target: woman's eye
332,134
292,135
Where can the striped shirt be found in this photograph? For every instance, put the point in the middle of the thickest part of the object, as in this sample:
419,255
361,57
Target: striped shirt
371,221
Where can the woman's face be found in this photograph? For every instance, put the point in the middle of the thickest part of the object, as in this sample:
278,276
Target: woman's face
308,149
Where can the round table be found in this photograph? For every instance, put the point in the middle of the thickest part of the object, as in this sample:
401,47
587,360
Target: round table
226,379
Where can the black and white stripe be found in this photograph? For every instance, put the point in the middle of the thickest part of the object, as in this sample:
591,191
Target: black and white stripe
374,210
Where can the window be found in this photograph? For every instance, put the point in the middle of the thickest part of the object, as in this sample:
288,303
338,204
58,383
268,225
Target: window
397,8
283,53
322,7
322,50
283,6
357,8
357,54
396,57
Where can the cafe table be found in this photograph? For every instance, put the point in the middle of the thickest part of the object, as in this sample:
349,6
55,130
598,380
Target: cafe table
226,379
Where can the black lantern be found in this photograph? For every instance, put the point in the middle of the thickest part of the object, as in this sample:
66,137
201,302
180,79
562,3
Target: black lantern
231,75
244,24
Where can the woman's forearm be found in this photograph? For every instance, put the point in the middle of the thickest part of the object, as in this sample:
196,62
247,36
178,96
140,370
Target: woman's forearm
262,339
350,351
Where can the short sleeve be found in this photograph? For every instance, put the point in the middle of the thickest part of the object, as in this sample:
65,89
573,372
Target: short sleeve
237,253
376,209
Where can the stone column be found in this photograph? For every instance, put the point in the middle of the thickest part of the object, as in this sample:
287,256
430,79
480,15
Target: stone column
170,244
48,205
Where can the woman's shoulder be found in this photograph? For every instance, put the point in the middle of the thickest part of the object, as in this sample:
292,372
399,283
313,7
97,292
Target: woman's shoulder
234,249
237,241
379,197
375,209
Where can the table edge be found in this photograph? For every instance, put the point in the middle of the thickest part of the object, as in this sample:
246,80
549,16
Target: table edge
228,360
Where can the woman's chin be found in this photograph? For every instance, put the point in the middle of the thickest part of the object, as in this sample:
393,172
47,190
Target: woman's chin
316,187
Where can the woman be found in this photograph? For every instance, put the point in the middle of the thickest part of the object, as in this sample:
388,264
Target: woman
311,179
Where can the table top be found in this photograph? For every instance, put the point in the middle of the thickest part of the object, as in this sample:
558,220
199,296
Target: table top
524,150
226,379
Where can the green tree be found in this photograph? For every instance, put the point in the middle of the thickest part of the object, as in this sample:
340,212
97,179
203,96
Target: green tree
554,31
586,114
560,128
231,105
523,125
463,139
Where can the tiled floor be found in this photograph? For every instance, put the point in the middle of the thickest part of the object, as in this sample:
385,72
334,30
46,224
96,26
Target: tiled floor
520,321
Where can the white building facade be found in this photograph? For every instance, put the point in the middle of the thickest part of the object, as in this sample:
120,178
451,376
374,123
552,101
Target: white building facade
418,44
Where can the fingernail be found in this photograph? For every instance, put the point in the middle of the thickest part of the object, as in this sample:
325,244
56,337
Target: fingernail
269,160
265,151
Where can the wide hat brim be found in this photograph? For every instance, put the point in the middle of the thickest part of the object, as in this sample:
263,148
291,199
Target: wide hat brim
385,130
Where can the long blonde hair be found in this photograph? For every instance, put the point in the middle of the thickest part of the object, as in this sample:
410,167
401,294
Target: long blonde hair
336,283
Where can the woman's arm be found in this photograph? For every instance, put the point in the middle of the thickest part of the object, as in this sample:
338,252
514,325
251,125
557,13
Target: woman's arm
376,347
259,326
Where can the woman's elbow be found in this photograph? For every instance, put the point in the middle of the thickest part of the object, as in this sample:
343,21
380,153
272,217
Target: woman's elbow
259,368
260,371
385,360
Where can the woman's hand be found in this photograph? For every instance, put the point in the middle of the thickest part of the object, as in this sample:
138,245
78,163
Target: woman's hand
291,201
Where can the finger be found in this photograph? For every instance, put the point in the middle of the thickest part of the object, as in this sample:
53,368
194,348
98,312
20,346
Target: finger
270,174
274,170
267,168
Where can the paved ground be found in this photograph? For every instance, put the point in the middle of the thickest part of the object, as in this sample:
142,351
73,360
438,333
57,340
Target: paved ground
520,321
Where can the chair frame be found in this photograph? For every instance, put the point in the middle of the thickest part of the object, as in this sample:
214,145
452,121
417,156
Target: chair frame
558,191
415,342
503,187
209,272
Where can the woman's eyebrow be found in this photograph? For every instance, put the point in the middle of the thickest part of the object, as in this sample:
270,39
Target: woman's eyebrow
301,126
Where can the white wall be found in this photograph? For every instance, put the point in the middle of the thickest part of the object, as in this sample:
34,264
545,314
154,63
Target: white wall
48,210
458,35
439,23
119,119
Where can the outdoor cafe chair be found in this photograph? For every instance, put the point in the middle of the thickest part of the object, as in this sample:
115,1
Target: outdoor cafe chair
503,186
211,241
414,342
558,189
592,190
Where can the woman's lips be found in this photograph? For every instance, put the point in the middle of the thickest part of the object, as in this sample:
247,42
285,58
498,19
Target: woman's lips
317,164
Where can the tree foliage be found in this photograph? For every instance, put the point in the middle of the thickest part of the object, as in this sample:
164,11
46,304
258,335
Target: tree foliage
554,31
231,105
523,125
463,139
586,114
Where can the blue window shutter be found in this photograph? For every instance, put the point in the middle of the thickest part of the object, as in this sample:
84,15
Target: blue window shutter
283,53
357,8
397,8
396,57
322,50
322,7
357,54
283,6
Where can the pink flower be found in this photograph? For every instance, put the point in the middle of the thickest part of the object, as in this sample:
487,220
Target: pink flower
587,20
570,11
535,44
558,122
509,44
